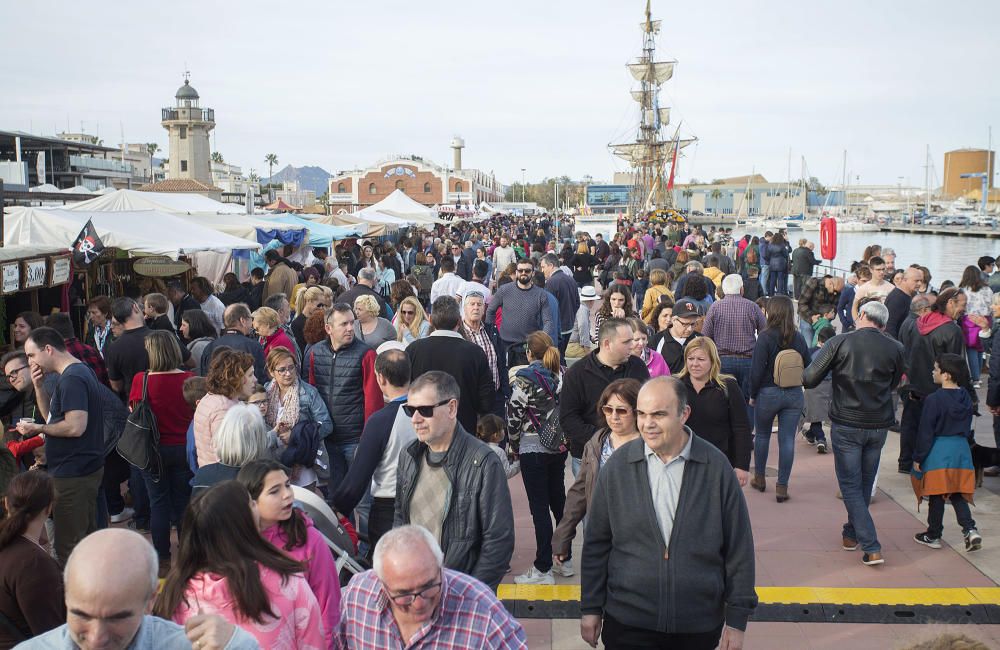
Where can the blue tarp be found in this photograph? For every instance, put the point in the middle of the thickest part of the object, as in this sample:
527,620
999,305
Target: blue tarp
293,237
319,234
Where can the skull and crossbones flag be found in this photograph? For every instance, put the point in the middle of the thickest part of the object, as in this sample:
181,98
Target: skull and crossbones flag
88,246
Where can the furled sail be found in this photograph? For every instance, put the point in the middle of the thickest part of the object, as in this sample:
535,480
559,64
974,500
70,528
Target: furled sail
654,72
654,26
639,152
637,95
651,116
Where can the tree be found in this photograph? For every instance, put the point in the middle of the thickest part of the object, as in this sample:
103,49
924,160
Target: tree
217,157
152,148
271,159
716,195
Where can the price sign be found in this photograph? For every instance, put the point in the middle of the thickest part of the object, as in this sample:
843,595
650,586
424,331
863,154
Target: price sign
34,273
60,270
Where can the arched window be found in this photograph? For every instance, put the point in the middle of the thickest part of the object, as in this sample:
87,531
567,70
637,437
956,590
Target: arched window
371,188
340,188
458,187
427,188
399,186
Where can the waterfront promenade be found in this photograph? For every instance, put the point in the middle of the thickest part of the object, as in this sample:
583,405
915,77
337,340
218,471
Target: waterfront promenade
799,560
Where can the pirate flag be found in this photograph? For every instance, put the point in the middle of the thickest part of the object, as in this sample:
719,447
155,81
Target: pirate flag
88,246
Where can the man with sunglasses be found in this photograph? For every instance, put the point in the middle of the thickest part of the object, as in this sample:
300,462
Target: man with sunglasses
410,600
453,484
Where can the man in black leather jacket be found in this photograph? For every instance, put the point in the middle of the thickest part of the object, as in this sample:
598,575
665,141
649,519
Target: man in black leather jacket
867,366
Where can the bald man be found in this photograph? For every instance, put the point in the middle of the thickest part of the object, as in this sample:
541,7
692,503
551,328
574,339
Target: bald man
111,583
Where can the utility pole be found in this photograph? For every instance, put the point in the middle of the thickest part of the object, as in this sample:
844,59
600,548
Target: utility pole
522,185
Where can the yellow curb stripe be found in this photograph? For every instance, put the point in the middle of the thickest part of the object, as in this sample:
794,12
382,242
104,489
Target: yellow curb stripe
796,595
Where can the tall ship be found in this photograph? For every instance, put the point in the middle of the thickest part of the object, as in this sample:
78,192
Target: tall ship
653,153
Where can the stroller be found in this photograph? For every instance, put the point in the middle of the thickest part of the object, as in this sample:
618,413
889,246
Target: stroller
334,534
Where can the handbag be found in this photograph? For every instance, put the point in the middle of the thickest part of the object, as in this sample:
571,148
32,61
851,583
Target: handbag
550,432
139,444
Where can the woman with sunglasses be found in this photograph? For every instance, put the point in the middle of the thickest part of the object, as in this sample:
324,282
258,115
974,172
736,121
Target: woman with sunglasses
293,405
718,408
533,400
617,426
225,567
411,321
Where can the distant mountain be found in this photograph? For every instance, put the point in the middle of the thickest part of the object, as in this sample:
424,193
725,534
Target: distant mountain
309,178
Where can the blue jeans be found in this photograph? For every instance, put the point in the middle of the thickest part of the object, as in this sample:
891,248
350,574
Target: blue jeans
543,482
806,330
856,454
168,497
575,464
975,358
765,273
739,367
777,283
341,457
786,405
935,514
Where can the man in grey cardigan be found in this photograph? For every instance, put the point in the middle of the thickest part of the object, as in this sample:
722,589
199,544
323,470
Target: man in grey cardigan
668,558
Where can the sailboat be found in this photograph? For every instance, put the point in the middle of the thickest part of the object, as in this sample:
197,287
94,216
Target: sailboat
650,153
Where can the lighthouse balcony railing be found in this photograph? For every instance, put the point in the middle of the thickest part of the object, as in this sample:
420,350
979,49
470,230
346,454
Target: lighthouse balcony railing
199,114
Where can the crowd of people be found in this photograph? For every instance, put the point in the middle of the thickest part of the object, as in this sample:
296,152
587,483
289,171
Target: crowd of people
405,382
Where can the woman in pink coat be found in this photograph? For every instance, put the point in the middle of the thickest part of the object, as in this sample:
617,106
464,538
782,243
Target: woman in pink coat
293,533
654,361
225,567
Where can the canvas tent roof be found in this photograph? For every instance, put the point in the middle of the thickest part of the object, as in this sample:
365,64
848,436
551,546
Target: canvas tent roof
320,234
147,232
179,202
238,225
398,204
281,206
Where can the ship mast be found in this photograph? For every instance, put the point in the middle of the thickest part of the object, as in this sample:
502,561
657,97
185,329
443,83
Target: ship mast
650,155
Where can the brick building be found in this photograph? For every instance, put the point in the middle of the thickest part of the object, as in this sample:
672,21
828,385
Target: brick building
421,180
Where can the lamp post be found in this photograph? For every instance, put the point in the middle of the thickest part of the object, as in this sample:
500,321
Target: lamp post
522,185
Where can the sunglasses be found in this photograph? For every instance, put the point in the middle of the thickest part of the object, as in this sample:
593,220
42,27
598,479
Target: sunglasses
424,411
620,411
407,312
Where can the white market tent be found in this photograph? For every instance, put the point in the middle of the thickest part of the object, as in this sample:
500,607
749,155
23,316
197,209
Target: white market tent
147,232
44,187
399,205
175,202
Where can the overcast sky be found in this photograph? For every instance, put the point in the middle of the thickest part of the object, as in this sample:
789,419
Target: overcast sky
539,85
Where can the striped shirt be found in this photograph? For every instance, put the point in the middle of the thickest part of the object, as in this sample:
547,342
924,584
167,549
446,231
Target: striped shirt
469,616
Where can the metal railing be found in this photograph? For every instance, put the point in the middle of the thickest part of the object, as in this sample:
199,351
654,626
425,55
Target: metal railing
200,114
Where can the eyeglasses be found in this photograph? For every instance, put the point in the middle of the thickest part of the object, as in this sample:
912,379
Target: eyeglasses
620,411
686,324
427,593
12,375
407,312
287,370
256,402
424,411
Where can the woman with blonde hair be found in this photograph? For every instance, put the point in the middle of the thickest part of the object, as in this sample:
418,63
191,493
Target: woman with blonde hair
293,405
718,407
583,264
309,300
533,403
370,328
657,288
411,321
269,332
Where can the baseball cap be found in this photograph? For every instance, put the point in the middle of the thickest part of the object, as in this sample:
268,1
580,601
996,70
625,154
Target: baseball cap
685,307
389,345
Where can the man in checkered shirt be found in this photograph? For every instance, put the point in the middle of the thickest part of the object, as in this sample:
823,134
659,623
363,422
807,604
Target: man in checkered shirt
410,600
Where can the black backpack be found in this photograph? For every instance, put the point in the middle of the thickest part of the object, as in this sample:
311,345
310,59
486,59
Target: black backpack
139,444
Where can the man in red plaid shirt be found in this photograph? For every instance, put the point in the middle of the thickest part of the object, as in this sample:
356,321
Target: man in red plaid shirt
410,600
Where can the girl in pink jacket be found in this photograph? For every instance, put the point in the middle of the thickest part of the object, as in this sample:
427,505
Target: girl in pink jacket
225,567
293,533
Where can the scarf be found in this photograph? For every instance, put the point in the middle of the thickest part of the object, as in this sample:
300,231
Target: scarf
290,402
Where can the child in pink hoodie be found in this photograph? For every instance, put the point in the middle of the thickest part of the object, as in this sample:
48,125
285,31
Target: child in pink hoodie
293,533
220,547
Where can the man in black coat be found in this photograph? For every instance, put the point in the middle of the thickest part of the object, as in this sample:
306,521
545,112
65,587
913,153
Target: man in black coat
586,379
803,261
237,325
447,350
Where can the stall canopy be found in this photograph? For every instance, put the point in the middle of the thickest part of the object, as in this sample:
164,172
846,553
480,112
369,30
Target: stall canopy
399,205
256,229
148,232
320,234
175,202
281,206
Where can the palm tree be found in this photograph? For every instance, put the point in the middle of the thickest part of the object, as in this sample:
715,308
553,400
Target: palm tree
716,195
687,194
152,148
271,159
217,157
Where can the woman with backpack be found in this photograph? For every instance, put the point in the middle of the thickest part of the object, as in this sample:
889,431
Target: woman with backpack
779,357
162,387
536,438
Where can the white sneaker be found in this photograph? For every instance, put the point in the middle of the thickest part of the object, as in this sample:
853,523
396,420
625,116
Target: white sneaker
566,570
124,515
535,577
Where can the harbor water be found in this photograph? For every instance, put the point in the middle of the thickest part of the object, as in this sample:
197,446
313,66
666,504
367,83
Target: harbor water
945,256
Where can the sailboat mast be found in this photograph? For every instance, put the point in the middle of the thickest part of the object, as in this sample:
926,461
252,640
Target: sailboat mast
927,183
